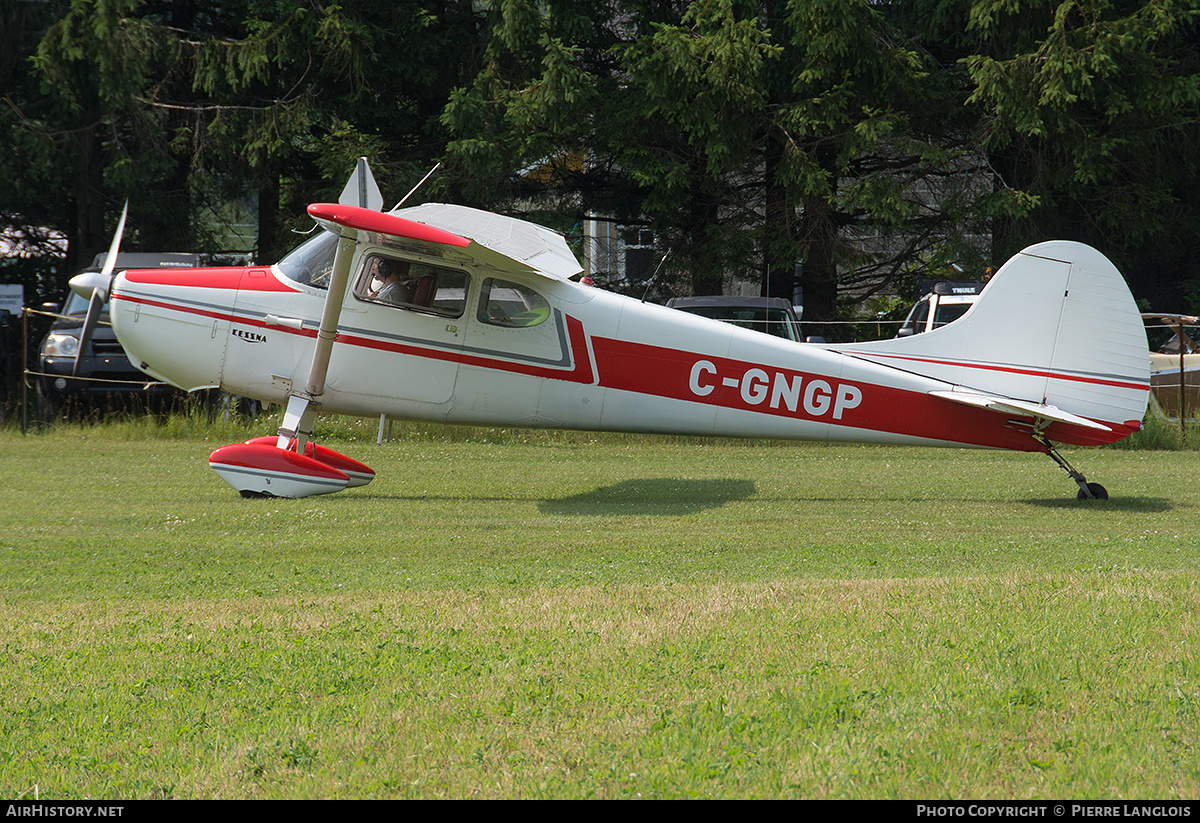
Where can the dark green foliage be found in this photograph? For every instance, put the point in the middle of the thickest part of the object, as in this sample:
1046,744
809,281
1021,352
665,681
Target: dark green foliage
1089,110
874,143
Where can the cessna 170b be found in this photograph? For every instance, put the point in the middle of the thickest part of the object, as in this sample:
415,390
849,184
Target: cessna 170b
446,313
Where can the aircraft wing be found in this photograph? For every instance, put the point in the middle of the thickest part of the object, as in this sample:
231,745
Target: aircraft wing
502,243
1006,405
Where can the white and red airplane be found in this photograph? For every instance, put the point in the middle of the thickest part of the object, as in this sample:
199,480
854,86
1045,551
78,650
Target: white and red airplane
450,314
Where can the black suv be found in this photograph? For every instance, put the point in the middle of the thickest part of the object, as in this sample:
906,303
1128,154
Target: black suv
105,372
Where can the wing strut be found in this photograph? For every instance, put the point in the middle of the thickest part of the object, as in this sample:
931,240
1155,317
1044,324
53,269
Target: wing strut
290,464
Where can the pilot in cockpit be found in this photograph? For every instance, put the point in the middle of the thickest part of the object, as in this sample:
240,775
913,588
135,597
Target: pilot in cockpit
397,284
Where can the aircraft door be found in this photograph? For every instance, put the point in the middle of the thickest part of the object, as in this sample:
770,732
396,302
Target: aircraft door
401,331
517,340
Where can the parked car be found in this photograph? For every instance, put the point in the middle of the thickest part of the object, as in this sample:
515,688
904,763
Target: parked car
941,302
105,373
771,315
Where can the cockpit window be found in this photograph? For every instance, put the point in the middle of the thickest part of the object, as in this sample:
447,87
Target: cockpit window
410,285
503,303
311,263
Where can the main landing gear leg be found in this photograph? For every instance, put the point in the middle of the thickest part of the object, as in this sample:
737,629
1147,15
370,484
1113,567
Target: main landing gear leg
1087,491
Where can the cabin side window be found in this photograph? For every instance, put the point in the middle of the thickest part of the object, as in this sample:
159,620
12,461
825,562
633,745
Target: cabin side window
407,284
512,305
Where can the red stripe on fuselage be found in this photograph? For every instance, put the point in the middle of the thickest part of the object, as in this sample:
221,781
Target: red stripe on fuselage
733,384
166,304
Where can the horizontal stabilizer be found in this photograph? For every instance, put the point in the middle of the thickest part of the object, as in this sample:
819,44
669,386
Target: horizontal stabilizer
1005,405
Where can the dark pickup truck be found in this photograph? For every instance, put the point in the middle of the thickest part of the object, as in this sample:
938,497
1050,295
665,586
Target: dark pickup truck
104,373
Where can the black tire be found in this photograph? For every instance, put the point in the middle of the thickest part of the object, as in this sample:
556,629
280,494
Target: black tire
1098,492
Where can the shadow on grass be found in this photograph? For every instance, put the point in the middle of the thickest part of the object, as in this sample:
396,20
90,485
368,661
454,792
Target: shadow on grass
662,496
1116,504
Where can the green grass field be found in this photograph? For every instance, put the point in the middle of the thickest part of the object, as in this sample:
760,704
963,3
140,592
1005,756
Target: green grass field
502,615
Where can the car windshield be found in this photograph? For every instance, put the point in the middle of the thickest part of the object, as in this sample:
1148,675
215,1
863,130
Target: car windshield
311,263
949,312
76,306
917,317
1190,335
771,321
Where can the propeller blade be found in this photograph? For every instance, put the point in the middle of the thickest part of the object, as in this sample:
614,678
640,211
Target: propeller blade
89,283
110,262
95,306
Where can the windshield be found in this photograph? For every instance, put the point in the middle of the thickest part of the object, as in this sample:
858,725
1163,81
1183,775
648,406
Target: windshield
771,321
76,305
915,322
311,263
1190,335
948,313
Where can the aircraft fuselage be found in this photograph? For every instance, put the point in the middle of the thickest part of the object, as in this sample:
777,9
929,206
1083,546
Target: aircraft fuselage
592,359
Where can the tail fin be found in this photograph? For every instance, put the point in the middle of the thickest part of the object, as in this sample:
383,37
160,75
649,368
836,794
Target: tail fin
1056,327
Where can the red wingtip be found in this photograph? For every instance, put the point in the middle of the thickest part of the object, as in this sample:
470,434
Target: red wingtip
355,217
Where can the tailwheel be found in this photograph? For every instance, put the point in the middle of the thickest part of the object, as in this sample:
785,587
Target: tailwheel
1087,491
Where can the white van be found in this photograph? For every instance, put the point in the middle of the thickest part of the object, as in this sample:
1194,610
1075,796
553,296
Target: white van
942,302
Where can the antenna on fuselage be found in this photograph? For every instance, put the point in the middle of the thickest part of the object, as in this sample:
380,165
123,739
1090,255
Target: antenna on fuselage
654,276
436,166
